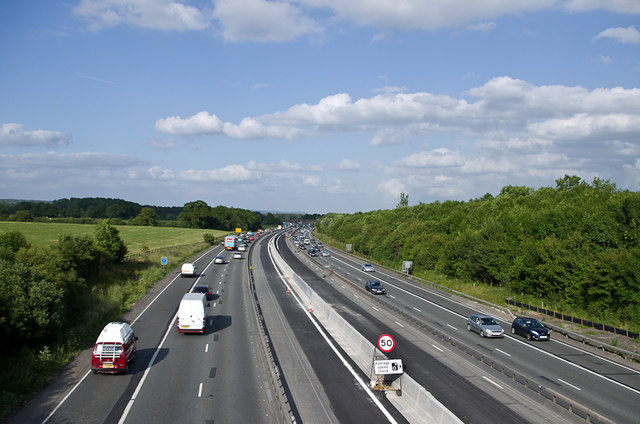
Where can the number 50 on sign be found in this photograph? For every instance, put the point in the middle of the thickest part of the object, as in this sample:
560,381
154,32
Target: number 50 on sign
386,343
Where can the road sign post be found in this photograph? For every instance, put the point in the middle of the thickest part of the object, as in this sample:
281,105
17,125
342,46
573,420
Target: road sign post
386,373
163,262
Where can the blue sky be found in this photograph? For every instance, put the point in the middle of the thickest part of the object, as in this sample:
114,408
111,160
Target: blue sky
315,105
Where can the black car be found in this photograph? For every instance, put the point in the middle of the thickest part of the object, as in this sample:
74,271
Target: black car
375,287
203,289
531,328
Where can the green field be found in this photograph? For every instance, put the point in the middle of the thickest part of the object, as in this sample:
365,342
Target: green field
136,238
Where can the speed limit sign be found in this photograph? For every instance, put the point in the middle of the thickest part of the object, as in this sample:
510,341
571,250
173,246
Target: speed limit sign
386,343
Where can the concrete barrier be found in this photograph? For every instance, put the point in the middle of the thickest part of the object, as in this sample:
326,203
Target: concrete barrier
415,403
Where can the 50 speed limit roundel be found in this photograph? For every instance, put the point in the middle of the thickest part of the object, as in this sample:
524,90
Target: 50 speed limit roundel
386,343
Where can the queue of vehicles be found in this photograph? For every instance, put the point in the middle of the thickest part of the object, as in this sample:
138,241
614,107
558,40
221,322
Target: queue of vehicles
115,348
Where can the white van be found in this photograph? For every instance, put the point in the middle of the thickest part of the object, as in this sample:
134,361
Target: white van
188,270
192,313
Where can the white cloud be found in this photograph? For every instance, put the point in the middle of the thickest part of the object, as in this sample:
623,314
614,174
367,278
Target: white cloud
60,171
267,21
263,21
391,189
424,15
311,180
163,15
603,59
229,173
619,6
629,35
282,166
583,126
158,173
202,123
506,113
483,26
348,165
437,158
12,134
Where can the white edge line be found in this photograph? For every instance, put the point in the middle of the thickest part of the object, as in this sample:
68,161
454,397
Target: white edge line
355,375
569,384
492,382
503,352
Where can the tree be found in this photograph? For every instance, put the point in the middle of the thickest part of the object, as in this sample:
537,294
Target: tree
10,243
197,215
109,241
30,305
404,200
146,217
23,216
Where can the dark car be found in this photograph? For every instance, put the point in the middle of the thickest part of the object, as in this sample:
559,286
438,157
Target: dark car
206,290
375,287
532,329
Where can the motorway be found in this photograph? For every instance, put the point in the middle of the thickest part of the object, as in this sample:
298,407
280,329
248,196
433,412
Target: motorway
223,375
176,378
609,389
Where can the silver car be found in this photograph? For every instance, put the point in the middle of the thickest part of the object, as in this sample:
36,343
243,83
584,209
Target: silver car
368,268
485,325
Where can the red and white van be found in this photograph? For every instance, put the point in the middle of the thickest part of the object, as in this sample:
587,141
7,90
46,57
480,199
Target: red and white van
115,349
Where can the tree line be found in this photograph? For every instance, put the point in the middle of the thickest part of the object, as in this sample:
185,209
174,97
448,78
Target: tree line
121,212
576,244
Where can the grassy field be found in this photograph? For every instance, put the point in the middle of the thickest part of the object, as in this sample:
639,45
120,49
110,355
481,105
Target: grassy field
136,238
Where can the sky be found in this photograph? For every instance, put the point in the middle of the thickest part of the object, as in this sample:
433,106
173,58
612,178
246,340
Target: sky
315,106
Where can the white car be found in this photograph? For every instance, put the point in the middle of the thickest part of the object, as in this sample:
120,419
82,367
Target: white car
218,260
237,255
368,268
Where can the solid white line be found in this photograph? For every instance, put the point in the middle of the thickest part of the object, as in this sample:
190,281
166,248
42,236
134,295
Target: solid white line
492,382
65,398
437,348
146,372
569,384
200,390
503,352
355,375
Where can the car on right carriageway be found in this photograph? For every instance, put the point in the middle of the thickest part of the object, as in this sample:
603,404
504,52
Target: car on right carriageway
531,328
